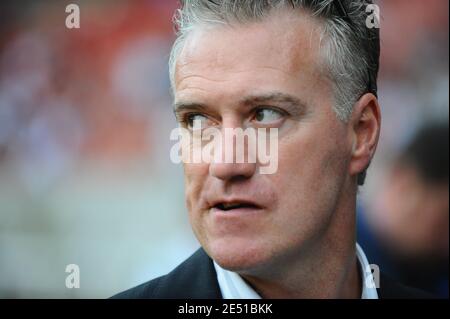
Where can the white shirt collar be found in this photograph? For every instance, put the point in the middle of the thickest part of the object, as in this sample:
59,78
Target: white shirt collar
233,286
369,288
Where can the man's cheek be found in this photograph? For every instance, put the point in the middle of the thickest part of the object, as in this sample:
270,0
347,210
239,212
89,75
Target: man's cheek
195,170
195,180
190,191
299,176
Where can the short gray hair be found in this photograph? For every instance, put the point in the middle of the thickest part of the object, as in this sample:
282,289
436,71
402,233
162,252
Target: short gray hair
351,49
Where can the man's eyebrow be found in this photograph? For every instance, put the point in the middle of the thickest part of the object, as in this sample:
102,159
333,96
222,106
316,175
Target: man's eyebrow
181,106
290,102
294,104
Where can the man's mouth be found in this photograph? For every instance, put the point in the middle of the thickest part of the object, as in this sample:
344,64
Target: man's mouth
228,206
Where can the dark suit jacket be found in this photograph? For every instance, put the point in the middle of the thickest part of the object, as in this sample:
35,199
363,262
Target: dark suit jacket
196,278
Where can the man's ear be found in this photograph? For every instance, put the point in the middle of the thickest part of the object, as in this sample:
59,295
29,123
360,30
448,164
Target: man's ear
365,127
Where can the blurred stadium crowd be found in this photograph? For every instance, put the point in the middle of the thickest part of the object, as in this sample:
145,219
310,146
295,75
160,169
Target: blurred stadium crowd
85,175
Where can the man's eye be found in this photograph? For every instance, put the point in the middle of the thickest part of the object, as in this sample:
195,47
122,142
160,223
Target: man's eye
267,115
196,121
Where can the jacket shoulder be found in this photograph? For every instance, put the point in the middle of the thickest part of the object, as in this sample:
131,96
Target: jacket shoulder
391,289
142,291
195,278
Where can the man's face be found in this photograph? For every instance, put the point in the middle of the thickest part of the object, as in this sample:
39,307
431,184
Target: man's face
265,74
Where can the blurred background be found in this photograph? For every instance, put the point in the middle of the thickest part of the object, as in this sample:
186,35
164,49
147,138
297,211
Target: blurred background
85,174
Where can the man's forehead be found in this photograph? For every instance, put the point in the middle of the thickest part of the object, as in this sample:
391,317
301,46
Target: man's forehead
283,40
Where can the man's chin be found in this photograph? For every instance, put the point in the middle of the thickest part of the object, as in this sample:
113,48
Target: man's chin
238,256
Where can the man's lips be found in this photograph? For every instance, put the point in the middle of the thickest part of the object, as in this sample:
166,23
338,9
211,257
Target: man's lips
234,205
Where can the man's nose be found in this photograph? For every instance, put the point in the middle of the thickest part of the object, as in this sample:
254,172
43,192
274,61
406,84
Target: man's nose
231,171
231,165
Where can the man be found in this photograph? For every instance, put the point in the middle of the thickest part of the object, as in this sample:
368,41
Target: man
308,69
408,239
